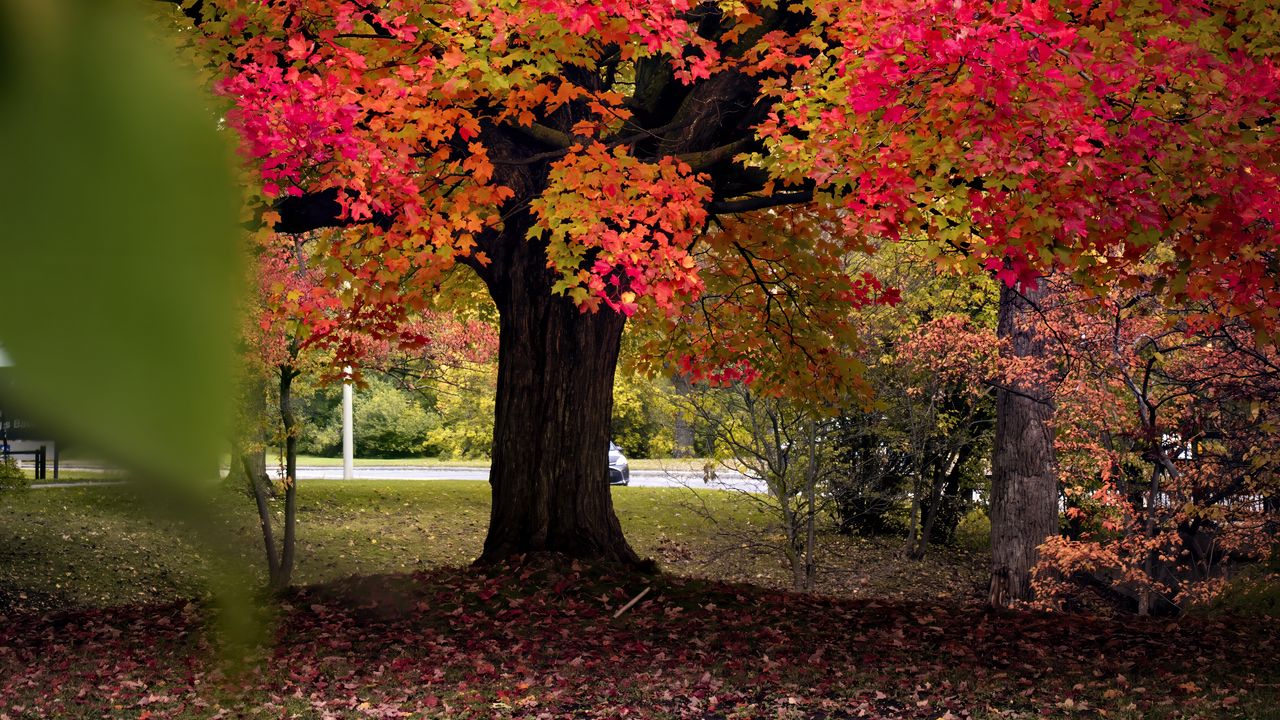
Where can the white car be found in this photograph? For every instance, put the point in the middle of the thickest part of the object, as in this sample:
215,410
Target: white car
619,473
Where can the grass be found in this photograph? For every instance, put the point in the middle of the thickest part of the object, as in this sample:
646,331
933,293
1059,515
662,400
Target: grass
74,546
387,625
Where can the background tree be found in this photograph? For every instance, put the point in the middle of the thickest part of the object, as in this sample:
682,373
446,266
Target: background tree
782,444
1167,445
949,366
928,361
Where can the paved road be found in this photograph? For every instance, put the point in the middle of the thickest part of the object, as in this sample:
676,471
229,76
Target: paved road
725,480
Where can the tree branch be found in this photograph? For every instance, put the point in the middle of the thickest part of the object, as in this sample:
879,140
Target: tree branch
304,213
546,135
706,158
726,207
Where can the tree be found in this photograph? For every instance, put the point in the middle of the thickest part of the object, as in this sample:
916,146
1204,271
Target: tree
573,155
931,359
1024,490
950,365
780,443
1167,450
297,322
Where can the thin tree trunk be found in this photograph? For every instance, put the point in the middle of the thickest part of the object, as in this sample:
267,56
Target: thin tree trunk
255,462
283,572
682,433
811,500
264,516
249,462
930,515
552,414
1024,491
1149,530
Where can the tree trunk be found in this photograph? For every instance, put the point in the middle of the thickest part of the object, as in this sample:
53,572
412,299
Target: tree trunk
551,427
282,573
929,512
682,433
811,508
249,446
1024,510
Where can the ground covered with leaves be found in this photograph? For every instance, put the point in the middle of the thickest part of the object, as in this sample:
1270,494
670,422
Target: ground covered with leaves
543,638
104,613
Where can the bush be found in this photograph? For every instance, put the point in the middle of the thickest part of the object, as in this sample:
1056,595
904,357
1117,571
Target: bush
11,476
974,531
390,421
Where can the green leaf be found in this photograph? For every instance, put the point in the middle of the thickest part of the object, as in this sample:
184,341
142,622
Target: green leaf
119,237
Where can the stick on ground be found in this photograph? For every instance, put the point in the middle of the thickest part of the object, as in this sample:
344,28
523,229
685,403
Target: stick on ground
634,600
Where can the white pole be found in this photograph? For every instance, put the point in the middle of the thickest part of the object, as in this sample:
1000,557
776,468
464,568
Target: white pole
348,441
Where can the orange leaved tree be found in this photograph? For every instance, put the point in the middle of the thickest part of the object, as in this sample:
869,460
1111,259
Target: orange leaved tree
581,157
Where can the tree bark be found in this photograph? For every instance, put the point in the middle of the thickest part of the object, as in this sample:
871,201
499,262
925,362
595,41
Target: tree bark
282,573
929,511
554,403
1024,510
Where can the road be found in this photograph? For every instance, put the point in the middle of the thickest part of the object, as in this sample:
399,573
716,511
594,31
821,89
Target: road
724,480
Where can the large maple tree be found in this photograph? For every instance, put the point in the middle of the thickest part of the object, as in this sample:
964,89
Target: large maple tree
575,153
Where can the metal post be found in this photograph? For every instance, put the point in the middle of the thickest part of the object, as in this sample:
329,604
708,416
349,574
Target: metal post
348,440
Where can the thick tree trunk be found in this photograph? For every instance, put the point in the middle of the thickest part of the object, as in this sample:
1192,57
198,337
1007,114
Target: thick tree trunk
551,427
1024,493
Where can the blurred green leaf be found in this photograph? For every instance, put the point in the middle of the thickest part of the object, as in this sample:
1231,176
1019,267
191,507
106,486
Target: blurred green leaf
118,211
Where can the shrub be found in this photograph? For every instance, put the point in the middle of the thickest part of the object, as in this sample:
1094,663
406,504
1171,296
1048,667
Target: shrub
11,476
465,401
643,416
974,531
390,421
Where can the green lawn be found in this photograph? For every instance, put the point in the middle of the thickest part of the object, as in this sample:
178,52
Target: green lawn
93,546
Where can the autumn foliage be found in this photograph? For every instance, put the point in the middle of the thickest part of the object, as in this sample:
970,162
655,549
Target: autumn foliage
710,169
1166,442
1032,135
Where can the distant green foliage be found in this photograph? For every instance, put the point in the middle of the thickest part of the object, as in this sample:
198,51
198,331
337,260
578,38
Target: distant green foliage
11,476
452,416
464,401
320,407
390,421
643,416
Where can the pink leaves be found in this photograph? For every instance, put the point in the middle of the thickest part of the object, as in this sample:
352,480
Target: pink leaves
290,122
1033,128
